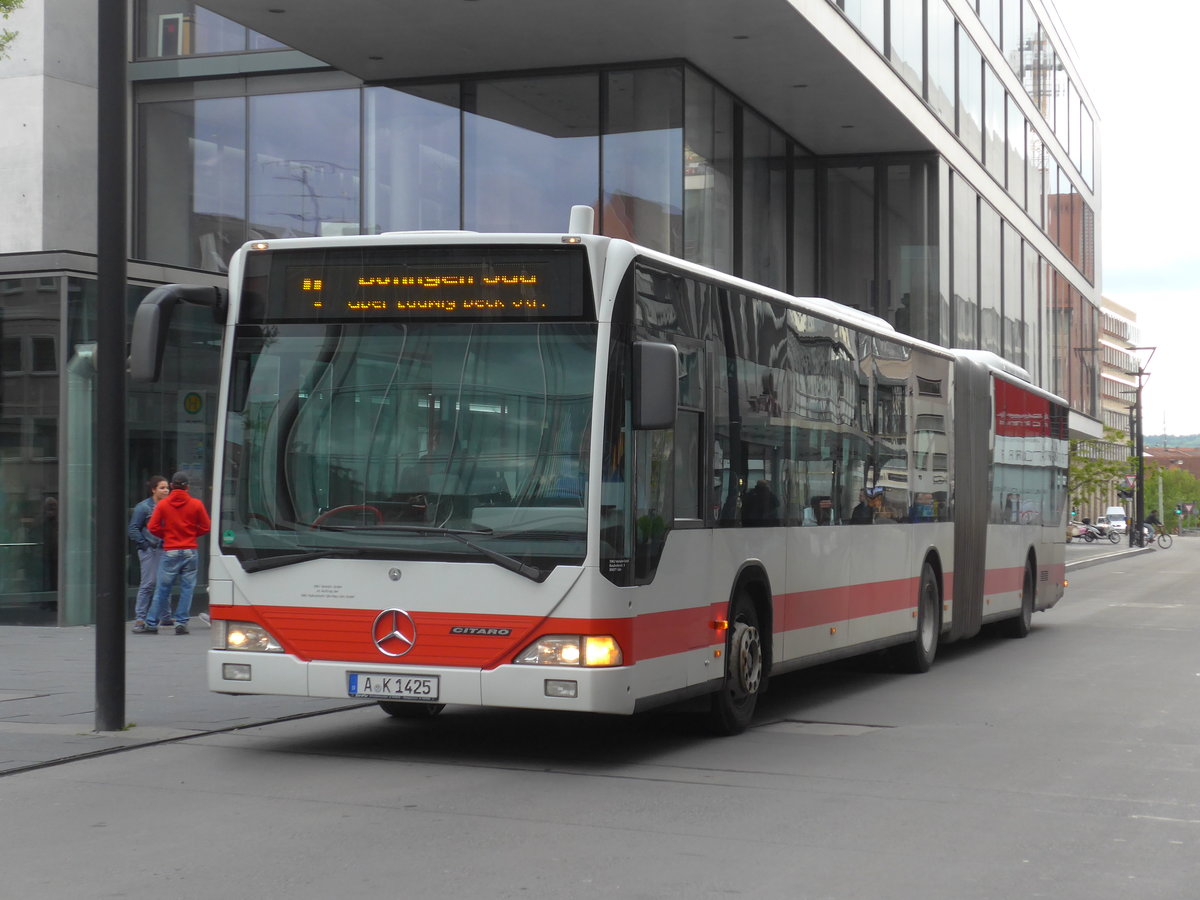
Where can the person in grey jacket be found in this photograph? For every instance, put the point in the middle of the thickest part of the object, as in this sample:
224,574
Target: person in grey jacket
149,547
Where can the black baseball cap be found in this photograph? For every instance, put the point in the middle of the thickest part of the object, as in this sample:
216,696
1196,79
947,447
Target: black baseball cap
179,479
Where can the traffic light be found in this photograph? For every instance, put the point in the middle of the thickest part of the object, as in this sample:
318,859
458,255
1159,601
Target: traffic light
1178,510
1125,495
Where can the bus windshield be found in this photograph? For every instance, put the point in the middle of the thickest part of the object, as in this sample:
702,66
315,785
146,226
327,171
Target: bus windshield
394,439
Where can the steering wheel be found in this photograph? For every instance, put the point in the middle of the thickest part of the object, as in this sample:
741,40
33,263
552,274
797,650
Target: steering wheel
337,510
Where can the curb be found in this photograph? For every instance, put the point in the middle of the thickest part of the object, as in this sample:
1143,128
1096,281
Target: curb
1109,557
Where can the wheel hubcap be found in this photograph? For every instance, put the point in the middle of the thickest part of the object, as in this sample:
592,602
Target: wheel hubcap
747,657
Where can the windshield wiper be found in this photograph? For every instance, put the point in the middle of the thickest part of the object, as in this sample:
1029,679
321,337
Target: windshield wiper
533,573
278,562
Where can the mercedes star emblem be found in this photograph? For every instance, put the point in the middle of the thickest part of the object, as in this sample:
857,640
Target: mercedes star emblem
394,632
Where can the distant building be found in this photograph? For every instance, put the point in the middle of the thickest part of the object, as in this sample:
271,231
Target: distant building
1186,459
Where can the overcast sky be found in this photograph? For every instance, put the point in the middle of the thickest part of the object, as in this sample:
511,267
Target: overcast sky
1138,64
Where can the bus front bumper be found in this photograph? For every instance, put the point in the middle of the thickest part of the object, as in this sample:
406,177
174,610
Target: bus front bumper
599,690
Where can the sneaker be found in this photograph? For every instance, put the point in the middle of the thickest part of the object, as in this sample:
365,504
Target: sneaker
181,629
139,625
143,628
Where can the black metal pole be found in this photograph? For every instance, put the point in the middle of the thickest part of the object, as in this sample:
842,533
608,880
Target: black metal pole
1141,468
110,368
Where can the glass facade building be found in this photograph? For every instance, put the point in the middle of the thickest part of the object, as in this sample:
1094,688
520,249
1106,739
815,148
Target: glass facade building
979,232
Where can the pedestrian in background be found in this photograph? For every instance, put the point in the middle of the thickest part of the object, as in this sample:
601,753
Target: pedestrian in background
149,547
179,520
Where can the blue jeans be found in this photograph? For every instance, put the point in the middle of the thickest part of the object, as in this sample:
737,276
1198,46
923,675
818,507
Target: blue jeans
149,559
176,565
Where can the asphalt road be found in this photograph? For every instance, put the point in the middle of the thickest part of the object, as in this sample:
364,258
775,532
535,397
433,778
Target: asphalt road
1064,765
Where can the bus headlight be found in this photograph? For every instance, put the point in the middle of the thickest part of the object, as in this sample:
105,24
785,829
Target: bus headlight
244,636
572,650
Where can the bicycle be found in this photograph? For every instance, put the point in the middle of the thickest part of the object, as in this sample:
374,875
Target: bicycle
1157,534
1163,538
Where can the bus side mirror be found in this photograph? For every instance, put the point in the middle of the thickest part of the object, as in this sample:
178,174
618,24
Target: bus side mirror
152,321
655,385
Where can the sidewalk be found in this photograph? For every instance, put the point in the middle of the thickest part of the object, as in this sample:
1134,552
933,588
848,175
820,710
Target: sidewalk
1081,555
48,694
48,690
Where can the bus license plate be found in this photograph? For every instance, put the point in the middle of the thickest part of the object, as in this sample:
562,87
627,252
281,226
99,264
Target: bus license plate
393,687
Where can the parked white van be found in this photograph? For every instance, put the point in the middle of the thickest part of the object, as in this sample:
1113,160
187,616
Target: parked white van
1116,518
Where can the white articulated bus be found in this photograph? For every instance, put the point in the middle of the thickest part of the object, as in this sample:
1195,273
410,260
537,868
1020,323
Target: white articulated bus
564,472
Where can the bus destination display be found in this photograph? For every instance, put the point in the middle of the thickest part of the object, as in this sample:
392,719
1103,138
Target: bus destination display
495,290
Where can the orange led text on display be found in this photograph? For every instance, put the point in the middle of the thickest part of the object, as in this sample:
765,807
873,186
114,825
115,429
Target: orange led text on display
436,281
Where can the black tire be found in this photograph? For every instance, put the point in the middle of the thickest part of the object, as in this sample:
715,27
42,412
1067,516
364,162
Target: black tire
1020,625
1114,537
918,655
398,709
1088,536
1164,540
732,707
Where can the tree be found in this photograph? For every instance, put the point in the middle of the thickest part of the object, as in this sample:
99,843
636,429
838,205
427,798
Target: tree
7,8
1095,466
1179,487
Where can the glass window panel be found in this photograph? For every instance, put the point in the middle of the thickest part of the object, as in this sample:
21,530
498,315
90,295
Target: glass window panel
970,95
804,212
1035,162
412,158
643,158
989,14
906,48
304,164
42,353
849,246
940,92
1071,138
965,274
1010,39
708,173
192,181
167,28
256,41
1029,48
1016,151
1050,82
1030,266
531,152
1056,209
1013,332
1086,145
764,202
868,16
993,109
1039,72
1045,311
12,355
1088,238
909,300
990,274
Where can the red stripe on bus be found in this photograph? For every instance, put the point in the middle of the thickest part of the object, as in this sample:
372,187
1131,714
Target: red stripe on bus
1003,581
345,635
831,606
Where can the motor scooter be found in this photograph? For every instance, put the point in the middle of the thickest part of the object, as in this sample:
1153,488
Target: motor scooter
1093,533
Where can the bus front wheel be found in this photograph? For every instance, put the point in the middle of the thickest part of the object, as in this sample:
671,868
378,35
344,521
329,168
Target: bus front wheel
732,707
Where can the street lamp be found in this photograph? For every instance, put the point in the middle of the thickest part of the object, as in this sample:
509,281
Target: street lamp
1139,500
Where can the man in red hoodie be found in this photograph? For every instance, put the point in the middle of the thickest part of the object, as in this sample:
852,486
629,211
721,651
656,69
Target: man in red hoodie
178,520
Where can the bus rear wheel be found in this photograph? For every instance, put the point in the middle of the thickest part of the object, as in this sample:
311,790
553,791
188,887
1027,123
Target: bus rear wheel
917,656
398,709
1020,625
732,707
